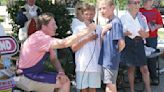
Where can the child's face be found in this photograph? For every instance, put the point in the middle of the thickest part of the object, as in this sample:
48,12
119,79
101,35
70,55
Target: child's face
149,3
106,10
88,15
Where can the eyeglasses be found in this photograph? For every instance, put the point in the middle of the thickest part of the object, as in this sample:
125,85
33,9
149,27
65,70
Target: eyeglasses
134,2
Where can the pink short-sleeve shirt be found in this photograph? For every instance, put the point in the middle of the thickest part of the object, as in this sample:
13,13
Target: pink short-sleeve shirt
34,49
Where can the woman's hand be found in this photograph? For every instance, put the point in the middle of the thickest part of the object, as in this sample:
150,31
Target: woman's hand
62,77
143,34
127,33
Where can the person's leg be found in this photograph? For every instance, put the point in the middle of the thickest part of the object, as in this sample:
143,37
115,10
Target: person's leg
152,42
146,78
110,77
64,87
22,81
152,69
84,90
92,89
94,81
111,87
131,78
82,81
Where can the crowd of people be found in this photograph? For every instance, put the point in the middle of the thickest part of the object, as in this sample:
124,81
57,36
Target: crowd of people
98,49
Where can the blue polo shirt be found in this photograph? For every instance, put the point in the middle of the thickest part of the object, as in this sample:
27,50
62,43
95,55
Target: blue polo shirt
109,54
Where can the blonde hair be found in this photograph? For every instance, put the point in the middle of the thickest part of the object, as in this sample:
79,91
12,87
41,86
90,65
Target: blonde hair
88,6
78,8
81,7
107,2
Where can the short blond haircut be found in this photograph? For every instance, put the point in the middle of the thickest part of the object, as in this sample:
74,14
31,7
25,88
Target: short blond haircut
107,2
82,7
78,8
88,6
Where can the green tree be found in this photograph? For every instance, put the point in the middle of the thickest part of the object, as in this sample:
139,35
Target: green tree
162,3
3,2
62,16
89,1
122,4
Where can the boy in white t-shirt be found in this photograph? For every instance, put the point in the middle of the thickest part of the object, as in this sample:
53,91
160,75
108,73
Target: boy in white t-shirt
86,50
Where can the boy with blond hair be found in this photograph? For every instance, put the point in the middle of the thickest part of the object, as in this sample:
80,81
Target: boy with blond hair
112,45
87,51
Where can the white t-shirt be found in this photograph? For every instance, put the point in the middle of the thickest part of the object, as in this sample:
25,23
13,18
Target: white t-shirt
130,24
86,58
32,11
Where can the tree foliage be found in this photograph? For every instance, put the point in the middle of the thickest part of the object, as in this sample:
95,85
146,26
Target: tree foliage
3,2
162,3
122,4
89,1
60,11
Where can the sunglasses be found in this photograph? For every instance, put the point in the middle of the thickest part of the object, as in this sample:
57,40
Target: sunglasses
134,2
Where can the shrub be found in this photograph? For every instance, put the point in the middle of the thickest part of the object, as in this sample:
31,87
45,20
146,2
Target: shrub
60,11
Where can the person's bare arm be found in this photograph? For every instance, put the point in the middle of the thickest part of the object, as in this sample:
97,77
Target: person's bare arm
80,44
68,41
121,45
61,74
127,33
143,34
54,60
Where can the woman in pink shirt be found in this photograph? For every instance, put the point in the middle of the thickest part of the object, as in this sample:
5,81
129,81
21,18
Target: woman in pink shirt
35,51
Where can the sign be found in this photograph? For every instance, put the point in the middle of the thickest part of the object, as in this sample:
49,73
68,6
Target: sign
7,84
8,45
